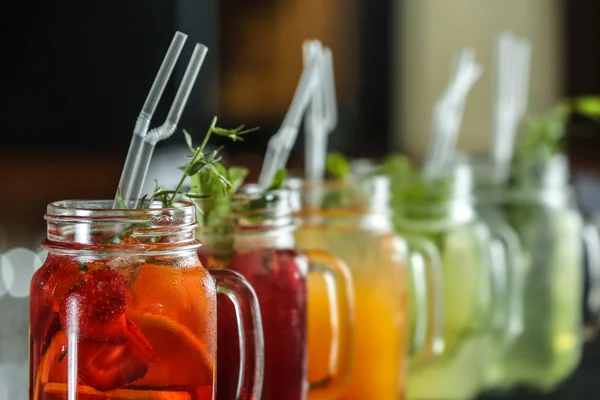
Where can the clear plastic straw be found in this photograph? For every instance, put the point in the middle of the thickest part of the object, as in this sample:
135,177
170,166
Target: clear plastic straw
143,121
510,103
282,142
321,117
167,129
316,134
448,113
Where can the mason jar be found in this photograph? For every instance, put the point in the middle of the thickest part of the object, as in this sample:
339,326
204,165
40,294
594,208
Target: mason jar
474,295
537,203
352,219
122,307
256,239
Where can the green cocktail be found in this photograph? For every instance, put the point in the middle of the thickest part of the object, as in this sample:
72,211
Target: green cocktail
474,295
537,206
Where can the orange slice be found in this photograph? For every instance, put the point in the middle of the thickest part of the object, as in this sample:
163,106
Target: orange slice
59,391
50,363
182,294
183,359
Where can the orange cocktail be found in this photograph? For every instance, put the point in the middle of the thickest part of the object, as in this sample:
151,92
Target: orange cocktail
353,223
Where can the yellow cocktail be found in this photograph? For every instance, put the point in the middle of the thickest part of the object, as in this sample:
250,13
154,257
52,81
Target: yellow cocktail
354,225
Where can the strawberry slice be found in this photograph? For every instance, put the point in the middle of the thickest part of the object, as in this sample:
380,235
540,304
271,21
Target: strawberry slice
98,304
48,287
107,366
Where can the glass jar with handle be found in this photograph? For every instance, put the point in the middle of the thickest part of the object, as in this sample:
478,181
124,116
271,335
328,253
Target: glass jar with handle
352,219
537,204
256,239
474,281
122,308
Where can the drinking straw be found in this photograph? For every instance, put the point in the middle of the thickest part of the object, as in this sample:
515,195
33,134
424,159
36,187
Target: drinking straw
321,117
167,129
448,113
282,142
142,145
143,120
512,91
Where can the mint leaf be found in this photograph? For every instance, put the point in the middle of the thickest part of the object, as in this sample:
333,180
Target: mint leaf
337,166
278,180
120,199
188,140
588,106
236,176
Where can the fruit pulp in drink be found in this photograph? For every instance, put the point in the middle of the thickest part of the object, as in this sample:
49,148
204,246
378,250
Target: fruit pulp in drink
122,328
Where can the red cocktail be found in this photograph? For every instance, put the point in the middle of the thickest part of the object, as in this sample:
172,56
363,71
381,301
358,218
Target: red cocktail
123,309
259,245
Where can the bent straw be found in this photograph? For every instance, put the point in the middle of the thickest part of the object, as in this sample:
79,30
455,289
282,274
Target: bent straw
282,142
512,91
143,120
167,129
321,117
448,113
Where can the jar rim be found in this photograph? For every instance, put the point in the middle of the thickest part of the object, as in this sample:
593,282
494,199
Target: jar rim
94,226
86,209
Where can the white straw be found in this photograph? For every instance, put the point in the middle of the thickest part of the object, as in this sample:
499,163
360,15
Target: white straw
282,142
321,117
143,121
167,129
448,113
143,142
510,103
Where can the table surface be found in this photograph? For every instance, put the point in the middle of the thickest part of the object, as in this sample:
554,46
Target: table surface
584,384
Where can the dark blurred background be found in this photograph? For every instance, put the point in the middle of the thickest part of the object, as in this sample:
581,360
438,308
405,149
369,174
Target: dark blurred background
76,75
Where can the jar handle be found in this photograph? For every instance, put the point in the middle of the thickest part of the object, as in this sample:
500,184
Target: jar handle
508,270
341,300
252,349
591,243
427,283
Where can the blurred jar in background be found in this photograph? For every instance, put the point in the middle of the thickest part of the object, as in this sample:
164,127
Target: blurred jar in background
537,203
352,220
473,279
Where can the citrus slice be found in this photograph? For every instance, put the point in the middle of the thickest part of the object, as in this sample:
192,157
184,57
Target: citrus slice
59,391
49,365
182,358
182,294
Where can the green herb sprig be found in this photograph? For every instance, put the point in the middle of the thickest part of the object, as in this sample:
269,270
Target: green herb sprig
206,163
337,166
209,176
542,137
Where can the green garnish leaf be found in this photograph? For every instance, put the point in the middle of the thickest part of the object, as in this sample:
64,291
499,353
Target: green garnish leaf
211,181
234,134
120,199
83,267
143,201
410,188
337,166
278,180
188,140
588,106
197,196
236,176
